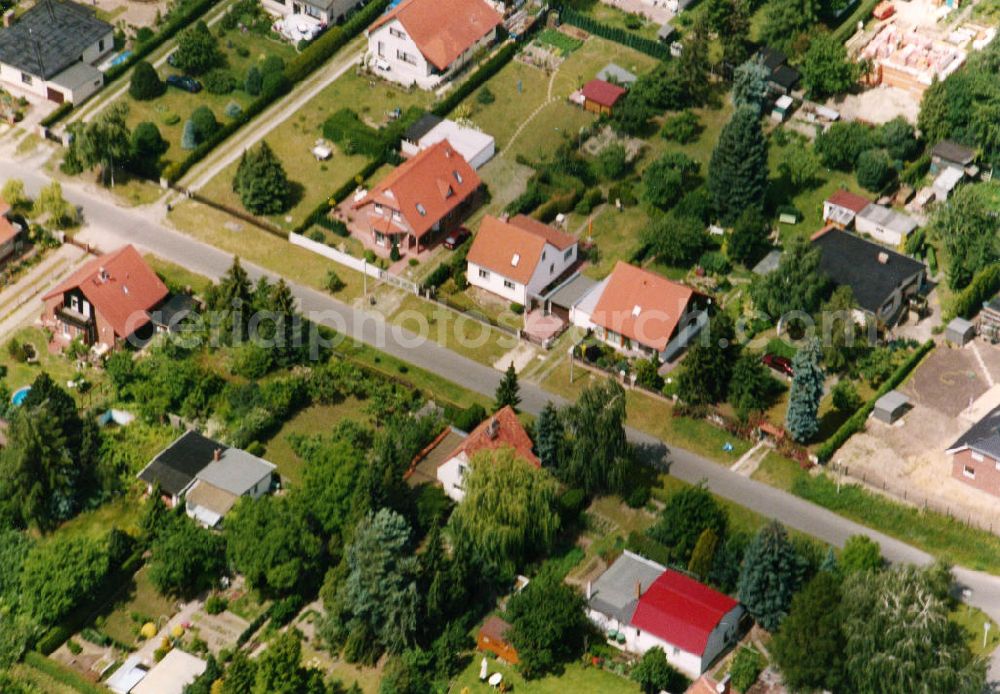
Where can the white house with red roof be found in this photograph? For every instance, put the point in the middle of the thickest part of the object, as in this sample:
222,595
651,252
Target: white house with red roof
842,207
640,605
108,300
421,200
425,42
517,258
640,312
500,430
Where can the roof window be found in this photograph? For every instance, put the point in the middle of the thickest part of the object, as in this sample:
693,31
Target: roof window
422,210
515,260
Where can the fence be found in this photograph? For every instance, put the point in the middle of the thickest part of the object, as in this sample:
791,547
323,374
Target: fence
239,214
876,482
356,264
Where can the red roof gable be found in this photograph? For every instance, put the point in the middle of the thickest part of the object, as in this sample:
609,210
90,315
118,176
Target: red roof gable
603,93
120,286
425,188
641,305
507,431
848,200
442,29
514,248
7,230
681,611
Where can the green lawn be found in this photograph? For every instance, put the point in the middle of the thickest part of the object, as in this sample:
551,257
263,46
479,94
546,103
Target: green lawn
176,102
293,140
576,678
177,277
612,16
615,235
43,682
123,512
138,597
972,621
511,106
57,366
564,43
312,420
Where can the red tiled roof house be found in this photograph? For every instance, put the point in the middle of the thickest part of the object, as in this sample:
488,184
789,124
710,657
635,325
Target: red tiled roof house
641,605
10,233
500,430
425,42
106,301
842,207
518,258
421,200
637,311
600,97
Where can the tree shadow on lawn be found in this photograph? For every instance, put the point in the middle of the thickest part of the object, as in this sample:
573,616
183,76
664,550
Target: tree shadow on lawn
296,192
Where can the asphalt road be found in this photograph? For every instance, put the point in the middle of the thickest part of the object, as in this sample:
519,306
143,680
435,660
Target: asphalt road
109,226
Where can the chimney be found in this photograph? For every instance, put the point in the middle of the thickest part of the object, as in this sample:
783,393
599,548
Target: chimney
217,454
638,589
883,258
493,428
723,687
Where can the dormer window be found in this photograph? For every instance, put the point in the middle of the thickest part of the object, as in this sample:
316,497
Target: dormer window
422,210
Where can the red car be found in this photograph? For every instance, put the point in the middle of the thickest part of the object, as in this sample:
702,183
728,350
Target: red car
457,238
779,363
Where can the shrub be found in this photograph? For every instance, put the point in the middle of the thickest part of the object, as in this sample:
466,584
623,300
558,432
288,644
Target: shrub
333,282
517,308
638,496
284,610
714,262
216,604
984,285
204,122
254,81
170,118
485,96
642,544
745,668
682,128
145,84
571,504
219,82
74,647
189,138
233,110
845,397
874,169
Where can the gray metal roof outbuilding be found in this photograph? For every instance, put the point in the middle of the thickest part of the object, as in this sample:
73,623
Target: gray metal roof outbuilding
890,407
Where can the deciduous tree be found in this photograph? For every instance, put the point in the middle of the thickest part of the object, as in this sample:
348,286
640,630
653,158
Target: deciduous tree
688,513
750,386
197,50
599,454
58,574
186,559
826,69
860,553
967,226
548,625
654,673
797,285
748,241
809,645
676,239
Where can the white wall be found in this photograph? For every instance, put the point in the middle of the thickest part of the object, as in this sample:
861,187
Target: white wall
552,264
878,232
638,642
39,87
450,475
97,49
494,283
260,489
419,72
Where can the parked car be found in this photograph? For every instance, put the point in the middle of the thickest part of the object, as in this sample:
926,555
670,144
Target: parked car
172,60
188,84
779,363
457,238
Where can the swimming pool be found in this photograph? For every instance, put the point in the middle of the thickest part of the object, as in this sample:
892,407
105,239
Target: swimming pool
121,58
19,395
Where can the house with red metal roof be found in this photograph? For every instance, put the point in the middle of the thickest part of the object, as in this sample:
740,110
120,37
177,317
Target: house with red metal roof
425,42
842,207
420,201
600,96
500,430
640,312
518,258
640,605
108,300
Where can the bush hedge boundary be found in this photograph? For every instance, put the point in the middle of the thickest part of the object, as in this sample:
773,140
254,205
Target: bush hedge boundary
856,422
983,286
652,48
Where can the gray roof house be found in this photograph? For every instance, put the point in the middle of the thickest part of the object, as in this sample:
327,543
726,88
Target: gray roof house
884,224
616,74
209,476
881,280
52,49
950,154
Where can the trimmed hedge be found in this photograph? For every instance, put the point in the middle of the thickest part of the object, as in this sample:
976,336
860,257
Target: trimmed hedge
61,674
254,626
849,26
317,53
175,22
61,112
983,286
856,422
642,544
626,38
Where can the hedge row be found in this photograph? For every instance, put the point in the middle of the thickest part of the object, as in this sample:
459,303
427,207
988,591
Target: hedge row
61,112
317,53
61,674
650,47
850,25
983,286
181,17
643,545
254,626
113,582
856,422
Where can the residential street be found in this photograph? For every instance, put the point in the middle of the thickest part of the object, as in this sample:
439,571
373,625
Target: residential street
109,226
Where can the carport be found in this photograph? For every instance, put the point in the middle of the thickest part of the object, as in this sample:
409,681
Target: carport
890,407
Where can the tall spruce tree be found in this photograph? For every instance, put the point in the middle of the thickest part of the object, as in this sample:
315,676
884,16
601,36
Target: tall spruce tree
772,572
807,391
508,391
737,171
261,181
550,437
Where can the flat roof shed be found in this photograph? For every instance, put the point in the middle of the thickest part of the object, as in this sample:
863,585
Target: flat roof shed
960,332
890,406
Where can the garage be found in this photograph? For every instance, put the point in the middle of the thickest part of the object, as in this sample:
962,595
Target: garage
54,95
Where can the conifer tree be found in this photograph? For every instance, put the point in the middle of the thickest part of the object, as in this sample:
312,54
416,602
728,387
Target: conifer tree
508,391
261,181
807,391
737,171
772,572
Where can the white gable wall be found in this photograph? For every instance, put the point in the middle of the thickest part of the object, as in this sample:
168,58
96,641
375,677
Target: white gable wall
451,473
552,264
392,43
